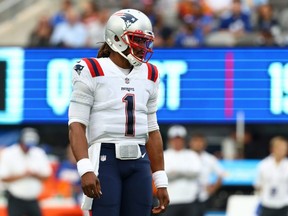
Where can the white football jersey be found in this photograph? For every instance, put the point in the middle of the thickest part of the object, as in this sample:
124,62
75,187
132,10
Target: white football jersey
119,103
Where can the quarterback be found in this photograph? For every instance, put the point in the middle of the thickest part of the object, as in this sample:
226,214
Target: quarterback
113,127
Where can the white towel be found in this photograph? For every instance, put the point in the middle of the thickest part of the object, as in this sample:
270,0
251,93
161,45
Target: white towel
94,153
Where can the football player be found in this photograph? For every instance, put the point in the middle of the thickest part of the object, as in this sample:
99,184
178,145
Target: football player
113,126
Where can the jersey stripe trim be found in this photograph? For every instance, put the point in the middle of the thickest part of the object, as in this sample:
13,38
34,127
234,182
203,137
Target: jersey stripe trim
99,68
94,67
152,72
90,67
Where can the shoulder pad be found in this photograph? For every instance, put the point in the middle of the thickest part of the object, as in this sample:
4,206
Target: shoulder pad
152,72
94,67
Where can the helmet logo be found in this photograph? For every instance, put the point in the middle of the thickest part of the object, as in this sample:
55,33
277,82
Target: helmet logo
128,18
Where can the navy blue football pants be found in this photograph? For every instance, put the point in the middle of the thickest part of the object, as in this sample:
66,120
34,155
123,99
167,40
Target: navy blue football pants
126,185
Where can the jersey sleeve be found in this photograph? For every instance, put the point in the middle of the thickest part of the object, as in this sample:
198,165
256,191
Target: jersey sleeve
153,76
82,97
81,73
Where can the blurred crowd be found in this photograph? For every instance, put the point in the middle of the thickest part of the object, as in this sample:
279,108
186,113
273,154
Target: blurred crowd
190,160
37,177
176,23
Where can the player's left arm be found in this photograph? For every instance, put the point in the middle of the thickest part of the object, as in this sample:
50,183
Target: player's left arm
154,145
154,148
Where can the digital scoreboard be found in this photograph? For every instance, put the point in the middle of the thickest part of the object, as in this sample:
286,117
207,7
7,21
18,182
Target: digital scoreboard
197,85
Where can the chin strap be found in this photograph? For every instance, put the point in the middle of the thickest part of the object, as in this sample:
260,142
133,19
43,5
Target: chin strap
132,60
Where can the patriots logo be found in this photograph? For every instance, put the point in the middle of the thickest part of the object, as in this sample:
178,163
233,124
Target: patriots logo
128,18
78,68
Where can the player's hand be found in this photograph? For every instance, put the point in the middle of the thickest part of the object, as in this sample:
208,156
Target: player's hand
211,189
163,199
91,185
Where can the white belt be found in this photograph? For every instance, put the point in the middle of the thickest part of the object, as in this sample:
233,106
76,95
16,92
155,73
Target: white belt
127,150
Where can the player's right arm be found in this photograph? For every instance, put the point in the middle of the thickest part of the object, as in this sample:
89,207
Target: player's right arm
79,112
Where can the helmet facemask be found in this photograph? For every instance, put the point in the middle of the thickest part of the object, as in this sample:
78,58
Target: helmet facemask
140,45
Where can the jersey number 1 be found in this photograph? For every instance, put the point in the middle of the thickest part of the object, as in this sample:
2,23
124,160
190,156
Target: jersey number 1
129,100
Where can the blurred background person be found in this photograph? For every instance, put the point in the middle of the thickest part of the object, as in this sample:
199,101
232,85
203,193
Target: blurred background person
236,21
210,166
272,180
182,167
201,19
95,28
166,37
59,15
233,27
229,149
71,33
187,36
187,8
89,11
268,26
94,20
253,148
219,7
156,18
23,168
40,36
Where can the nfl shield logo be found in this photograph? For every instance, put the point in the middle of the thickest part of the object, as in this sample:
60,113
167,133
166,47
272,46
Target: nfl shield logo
103,157
127,81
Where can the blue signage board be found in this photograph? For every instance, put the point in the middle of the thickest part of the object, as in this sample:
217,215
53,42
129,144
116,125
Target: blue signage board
197,85
239,172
